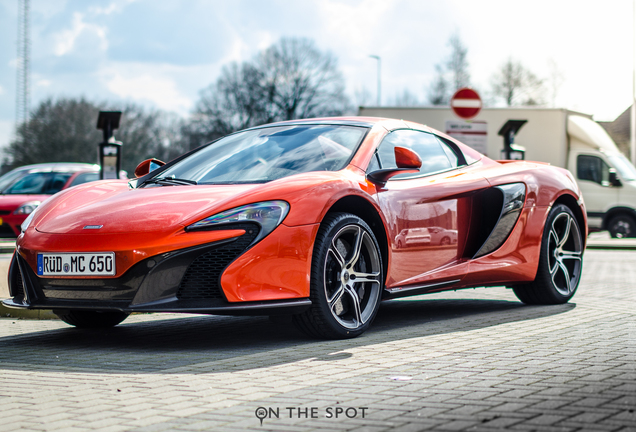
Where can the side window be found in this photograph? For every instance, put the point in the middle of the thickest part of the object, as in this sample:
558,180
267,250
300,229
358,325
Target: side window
56,183
427,146
84,178
592,168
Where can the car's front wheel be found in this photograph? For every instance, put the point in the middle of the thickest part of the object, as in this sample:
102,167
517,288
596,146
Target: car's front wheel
346,279
560,261
91,319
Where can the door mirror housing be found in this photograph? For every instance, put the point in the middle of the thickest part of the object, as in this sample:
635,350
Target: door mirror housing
406,160
613,178
147,166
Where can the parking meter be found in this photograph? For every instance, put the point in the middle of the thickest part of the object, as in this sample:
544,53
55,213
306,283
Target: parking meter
512,151
109,149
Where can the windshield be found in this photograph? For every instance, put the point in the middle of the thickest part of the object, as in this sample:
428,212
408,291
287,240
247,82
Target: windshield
267,154
9,178
624,167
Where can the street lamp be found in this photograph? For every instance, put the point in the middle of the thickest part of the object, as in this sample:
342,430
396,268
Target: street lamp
379,78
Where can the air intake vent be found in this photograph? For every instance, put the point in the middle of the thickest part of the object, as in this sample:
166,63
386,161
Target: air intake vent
202,280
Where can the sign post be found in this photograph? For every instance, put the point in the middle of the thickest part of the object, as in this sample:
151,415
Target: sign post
466,104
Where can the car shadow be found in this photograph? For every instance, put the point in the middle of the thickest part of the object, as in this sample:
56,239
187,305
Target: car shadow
175,345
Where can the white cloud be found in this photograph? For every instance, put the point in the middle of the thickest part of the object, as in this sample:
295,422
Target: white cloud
116,6
161,91
66,39
43,83
1,90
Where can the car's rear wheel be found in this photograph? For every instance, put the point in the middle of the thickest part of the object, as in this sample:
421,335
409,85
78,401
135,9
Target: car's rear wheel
560,261
622,226
346,279
91,319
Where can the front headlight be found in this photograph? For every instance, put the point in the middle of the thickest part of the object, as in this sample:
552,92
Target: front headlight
27,221
27,208
268,214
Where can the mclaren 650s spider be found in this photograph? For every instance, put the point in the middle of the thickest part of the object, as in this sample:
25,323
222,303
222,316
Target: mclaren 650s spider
318,219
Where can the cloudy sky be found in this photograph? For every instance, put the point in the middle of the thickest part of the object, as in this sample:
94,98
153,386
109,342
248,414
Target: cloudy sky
161,53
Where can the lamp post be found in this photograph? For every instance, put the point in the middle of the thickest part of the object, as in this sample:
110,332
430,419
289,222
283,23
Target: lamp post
379,78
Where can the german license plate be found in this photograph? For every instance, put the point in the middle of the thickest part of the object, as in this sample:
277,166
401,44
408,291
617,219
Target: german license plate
76,264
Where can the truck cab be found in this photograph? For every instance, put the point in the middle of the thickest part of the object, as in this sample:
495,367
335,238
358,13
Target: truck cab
606,178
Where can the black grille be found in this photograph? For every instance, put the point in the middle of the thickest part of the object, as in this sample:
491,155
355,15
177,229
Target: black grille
17,287
202,280
5,212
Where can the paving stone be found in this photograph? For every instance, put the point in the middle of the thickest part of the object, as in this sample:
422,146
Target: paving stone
476,360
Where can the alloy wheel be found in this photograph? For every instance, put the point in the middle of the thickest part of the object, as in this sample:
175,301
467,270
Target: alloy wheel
352,276
565,251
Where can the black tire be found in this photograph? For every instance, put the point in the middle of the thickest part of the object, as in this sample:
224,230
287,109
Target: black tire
622,226
399,245
91,319
445,241
343,303
560,261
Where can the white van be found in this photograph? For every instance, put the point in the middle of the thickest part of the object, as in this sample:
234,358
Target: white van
561,137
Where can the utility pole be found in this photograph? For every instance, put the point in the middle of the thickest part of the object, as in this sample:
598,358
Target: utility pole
379,78
632,125
22,74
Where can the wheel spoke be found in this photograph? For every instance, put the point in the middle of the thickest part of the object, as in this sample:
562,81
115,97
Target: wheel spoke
566,234
335,298
365,277
571,255
355,302
566,274
357,246
333,250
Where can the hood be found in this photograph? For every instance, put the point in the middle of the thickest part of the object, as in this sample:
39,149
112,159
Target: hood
12,202
120,209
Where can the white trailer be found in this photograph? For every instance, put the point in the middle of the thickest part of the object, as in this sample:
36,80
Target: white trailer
561,137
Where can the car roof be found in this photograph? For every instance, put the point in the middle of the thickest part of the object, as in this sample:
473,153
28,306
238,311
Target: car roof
58,166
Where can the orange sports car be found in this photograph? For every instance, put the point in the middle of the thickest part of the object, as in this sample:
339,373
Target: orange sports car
302,218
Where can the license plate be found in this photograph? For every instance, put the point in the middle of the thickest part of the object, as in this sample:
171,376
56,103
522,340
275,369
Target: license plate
76,264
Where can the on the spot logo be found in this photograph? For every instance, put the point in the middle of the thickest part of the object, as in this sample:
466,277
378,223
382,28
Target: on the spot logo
337,412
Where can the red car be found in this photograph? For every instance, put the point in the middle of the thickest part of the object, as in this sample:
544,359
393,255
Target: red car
24,188
300,218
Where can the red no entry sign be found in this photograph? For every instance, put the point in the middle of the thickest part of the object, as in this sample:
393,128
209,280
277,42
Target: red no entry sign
466,103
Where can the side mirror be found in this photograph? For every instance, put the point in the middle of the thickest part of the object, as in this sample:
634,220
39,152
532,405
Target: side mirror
147,166
613,178
406,160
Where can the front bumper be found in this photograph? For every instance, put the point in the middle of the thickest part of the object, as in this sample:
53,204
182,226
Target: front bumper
185,280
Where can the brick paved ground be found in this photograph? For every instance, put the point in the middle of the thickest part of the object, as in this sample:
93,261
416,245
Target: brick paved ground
471,360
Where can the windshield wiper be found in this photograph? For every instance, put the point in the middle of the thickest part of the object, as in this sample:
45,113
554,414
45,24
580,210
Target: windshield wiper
170,181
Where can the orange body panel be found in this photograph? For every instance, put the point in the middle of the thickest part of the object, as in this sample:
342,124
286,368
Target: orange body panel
427,222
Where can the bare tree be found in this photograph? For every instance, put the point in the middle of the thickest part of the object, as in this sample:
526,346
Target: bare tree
406,99
289,80
451,75
556,78
300,81
457,63
438,92
517,85
64,130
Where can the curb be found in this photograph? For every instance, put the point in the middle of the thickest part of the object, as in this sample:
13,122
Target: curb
41,314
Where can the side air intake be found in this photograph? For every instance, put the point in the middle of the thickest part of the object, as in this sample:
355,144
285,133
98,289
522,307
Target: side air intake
514,195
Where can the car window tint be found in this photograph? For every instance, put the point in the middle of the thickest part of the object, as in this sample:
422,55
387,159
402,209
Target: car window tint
592,168
84,178
56,183
34,183
426,145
